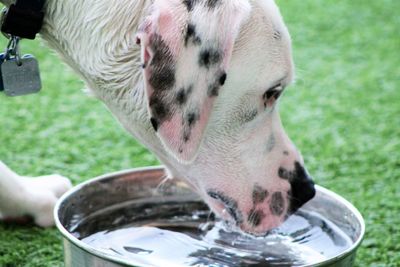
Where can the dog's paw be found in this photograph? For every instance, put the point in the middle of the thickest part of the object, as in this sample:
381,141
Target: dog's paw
44,192
29,205
42,210
55,183
34,198
22,197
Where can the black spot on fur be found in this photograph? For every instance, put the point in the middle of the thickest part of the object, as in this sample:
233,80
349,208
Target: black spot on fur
196,40
209,57
255,217
277,204
143,65
154,123
222,78
162,80
259,194
192,118
302,186
190,4
191,35
286,153
162,66
213,89
190,32
213,3
186,135
160,110
229,203
183,94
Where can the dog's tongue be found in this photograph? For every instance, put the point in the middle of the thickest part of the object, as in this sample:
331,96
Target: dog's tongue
186,49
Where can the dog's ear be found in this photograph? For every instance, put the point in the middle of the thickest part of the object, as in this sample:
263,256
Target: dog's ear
186,47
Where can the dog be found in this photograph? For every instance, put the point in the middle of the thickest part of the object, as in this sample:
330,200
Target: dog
198,83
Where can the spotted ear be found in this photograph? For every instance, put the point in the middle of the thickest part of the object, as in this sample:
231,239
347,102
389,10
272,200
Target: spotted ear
186,47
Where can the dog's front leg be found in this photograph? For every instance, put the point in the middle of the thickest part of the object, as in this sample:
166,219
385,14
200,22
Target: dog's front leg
34,197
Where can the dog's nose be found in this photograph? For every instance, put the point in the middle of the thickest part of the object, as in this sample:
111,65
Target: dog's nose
302,186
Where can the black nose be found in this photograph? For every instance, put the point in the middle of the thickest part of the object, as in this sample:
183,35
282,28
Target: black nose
302,186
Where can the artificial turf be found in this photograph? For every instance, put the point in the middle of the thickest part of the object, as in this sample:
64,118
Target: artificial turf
343,113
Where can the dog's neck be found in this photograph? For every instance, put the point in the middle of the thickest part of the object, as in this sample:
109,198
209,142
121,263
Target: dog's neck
97,38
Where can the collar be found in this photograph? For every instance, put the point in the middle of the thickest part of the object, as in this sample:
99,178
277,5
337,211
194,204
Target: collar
24,18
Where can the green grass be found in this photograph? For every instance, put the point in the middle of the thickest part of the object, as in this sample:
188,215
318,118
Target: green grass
343,113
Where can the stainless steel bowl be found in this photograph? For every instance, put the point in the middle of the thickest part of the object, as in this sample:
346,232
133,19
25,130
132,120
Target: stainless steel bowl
114,188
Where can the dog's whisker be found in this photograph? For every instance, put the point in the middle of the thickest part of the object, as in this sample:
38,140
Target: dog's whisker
162,183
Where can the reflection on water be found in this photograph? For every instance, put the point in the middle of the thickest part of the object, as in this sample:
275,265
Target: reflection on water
174,233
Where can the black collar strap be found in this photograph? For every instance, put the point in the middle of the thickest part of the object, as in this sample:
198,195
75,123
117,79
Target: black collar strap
24,18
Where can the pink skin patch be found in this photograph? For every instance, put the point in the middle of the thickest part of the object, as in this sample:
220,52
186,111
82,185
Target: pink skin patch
170,28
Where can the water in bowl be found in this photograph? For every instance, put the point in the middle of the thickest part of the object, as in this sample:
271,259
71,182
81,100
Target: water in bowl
183,232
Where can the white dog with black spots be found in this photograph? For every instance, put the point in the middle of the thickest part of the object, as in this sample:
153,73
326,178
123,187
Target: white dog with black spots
197,82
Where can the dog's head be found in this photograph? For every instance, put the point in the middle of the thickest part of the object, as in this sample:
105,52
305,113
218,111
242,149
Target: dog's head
214,71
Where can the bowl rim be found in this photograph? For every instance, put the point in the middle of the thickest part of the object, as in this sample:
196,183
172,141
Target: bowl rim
97,253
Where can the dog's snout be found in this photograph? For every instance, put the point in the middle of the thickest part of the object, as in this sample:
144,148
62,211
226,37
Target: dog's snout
302,186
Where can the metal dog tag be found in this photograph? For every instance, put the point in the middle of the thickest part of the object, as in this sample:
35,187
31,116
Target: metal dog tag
22,78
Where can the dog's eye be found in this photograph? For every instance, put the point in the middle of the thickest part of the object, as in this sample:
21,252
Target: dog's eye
272,94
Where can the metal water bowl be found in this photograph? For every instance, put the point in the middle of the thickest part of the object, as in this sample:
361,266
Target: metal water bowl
111,189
